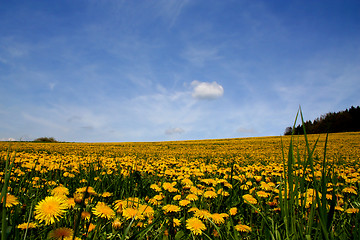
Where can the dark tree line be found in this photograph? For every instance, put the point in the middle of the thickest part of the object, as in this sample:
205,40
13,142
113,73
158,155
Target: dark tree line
343,121
45,139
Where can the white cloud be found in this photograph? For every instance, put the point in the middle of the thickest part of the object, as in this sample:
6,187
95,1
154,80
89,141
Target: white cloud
8,139
172,131
206,90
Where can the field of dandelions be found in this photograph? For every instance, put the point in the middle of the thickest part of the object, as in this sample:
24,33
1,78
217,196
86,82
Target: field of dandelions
290,187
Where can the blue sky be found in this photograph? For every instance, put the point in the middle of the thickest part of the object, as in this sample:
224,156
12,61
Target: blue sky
114,71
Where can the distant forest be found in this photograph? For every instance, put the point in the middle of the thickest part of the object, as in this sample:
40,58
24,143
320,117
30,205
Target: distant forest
343,121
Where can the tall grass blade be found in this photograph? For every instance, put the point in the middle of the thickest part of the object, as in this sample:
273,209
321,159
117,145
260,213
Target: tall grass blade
7,171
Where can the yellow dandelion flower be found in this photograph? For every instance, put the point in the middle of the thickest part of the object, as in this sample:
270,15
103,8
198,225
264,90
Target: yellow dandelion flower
85,215
217,218
249,183
60,233
193,209
233,211
224,215
265,186
192,197
172,190
71,238
155,187
329,196
196,190
35,178
310,193
249,199
103,211
195,225
274,203
126,203
51,183
61,190
146,210
155,202
167,185
210,194
187,182
29,225
176,222
338,208
177,197
70,202
171,208
242,228
118,206
340,196
222,192
91,227
140,224
277,209
159,197
209,181
244,187
106,194
258,178
184,202
262,194
90,190
276,191
352,210
11,200
202,214
349,190
130,213
50,209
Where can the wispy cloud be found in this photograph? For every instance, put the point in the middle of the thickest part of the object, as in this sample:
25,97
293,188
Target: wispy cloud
324,83
199,56
172,131
124,70
242,130
44,122
12,48
171,10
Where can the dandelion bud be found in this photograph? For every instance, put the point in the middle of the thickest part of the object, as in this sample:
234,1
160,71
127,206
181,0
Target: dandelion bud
78,197
116,224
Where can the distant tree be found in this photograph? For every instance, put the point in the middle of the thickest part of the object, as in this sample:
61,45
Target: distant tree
343,121
288,131
45,139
